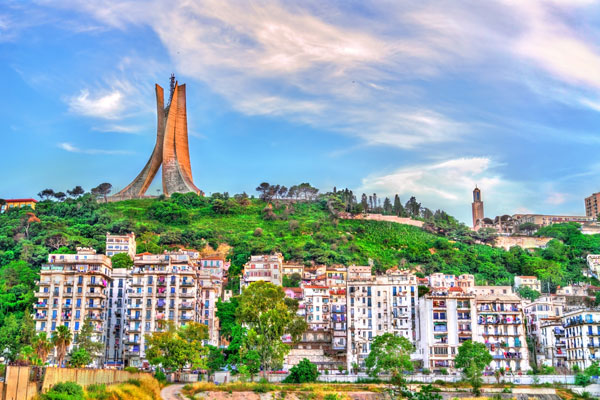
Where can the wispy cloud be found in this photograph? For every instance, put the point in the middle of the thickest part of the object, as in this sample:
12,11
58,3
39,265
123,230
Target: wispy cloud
105,105
73,149
116,128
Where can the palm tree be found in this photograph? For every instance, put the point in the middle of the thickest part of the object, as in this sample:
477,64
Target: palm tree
43,346
61,340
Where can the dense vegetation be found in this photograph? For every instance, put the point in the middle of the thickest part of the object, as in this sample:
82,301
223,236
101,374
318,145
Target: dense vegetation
306,228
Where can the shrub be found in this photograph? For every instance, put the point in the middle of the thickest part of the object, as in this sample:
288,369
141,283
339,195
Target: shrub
97,392
135,382
258,232
131,369
443,371
426,371
303,372
582,380
160,376
64,391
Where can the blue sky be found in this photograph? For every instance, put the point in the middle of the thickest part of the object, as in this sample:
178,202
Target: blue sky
417,98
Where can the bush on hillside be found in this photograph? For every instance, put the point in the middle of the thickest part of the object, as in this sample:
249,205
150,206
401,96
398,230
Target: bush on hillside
64,391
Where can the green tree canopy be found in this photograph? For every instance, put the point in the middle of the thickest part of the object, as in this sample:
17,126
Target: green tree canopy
303,372
389,354
121,260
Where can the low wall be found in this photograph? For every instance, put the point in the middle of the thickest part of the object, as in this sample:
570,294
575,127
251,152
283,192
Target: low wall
517,379
525,242
386,218
17,385
86,377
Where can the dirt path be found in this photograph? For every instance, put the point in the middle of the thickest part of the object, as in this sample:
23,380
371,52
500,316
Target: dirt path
172,392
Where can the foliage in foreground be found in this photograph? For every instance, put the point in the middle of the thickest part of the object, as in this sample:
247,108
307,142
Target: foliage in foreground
303,372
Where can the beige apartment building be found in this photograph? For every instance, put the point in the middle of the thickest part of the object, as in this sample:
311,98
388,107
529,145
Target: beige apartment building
582,336
591,205
163,288
209,291
73,287
116,244
266,268
531,282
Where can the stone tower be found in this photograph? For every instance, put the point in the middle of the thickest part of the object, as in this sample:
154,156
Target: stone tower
477,206
171,150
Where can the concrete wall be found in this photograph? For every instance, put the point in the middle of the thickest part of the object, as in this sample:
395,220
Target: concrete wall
525,242
21,385
86,377
389,218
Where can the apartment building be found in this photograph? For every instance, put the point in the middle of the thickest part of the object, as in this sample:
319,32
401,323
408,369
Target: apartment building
163,288
378,305
116,244
591,205
447,319
117,311
553,343
336,276
263,268
501,326
209,291
582,335
17,203
531,282
288,269
439,280
212,266
73,288
538,313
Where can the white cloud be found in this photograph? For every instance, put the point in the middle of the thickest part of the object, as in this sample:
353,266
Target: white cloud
106,105
73,149
448,185
557,198
117,128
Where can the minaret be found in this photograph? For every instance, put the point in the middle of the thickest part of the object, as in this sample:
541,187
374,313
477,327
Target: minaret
477,206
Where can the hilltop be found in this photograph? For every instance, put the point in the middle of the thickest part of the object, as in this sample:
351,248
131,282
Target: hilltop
303,231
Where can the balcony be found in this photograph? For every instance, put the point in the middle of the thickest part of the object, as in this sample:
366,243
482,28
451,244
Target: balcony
97,283
186,306
161,304
185,317
161,282
161,294
137,317
42,294
95,317
41,305
41,317
68,283
188,294
136,306
95,294
96,306
186,283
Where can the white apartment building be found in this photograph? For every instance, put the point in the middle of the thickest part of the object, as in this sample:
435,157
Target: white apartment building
582,334
73,288
117,311
553,343
439,280
116,244
593,262
447,319
336,277
537,313
212,266
531,282
163,288
501,326
378,305
316,302
209,291
263,268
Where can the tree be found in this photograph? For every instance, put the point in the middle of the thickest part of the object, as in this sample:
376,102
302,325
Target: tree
412,207
46,194
387,206
251,361
397,207
60,196
121,260
27,331
303,372
102,190
85,340
10,345
61,339
215,360
268,317
176,348
79,358
528,293
528,228
473,357
28,355
292,280
42,346
390,354
76,192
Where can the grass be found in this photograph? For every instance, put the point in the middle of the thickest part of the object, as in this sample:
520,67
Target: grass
135,389
320,389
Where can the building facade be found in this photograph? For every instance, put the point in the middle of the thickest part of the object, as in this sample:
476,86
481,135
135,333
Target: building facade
591,205
582,336
72,290
263,268
117,317
116,244
17,203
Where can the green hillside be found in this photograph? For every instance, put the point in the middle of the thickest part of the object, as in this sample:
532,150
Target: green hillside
306,232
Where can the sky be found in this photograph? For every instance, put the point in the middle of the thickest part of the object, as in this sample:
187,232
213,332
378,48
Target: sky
424,99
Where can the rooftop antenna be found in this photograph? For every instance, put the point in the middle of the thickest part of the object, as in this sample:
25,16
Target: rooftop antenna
171,87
